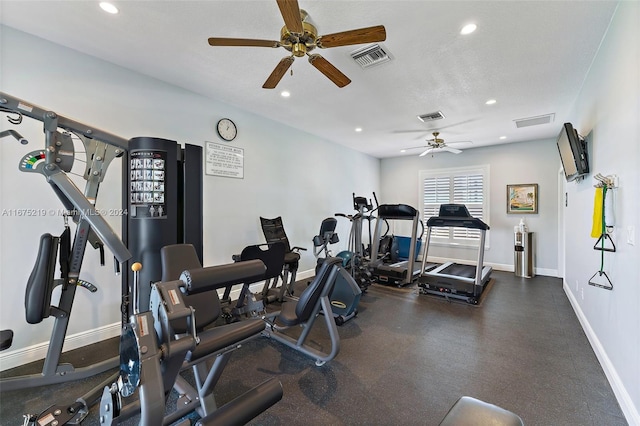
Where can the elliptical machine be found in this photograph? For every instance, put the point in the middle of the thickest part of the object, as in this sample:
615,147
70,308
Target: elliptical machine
355,258
346,293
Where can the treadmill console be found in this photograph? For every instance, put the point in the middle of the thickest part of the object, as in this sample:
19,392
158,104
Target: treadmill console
454,210
456,215
396,211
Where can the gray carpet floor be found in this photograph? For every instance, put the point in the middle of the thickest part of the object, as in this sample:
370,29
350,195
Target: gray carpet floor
405,360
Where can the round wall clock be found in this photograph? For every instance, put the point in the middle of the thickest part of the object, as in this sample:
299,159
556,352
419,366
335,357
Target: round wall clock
227,129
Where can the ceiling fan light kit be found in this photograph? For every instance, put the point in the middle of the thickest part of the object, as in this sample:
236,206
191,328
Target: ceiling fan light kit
300,37
437,145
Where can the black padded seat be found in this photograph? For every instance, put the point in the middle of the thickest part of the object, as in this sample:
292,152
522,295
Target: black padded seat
288,315
294,313
468,411
220,337
292,258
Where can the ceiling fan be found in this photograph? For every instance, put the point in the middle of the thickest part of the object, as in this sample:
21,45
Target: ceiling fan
436,144
300,37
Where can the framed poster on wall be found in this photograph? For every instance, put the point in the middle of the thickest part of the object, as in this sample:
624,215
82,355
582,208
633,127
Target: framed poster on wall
522,198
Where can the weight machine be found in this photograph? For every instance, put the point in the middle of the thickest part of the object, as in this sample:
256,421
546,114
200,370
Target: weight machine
162,199
172,338
54,162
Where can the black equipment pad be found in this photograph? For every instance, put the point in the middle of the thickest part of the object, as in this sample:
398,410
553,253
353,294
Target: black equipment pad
37,299
396,211
215,277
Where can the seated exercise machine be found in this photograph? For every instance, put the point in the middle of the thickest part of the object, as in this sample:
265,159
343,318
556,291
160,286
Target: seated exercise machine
355,258
54,162
313,301
176,335
302,311
402,272
249,304
273,230
345,296
465,282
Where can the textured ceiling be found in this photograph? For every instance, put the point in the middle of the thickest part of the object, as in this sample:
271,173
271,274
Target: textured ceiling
531,56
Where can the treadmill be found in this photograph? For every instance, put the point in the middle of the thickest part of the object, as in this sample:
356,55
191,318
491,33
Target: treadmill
395,273
465,282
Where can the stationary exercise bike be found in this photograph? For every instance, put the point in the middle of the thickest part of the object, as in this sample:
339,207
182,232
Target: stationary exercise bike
355,258
346,293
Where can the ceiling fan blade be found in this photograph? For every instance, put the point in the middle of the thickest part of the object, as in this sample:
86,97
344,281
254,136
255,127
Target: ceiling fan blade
332,73
451,143
345,38
221,41
290,12
278,73
453,150
426,152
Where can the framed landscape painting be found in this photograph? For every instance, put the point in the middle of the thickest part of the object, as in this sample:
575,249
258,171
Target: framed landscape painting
522,198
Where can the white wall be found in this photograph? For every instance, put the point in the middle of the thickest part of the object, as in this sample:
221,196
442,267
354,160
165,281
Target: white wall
527,162
608,107
287,173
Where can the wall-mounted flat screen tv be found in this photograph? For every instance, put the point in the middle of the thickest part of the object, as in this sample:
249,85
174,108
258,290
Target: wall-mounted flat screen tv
573,153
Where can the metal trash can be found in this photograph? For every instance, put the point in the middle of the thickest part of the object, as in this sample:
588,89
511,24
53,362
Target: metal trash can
523,254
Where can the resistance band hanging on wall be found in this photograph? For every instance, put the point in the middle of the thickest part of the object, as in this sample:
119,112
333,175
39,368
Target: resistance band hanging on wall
603,223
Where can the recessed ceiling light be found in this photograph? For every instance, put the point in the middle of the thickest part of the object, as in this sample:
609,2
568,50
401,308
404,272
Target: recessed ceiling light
403,150
285,94
503,137
108,7
358,129
468,29
491,102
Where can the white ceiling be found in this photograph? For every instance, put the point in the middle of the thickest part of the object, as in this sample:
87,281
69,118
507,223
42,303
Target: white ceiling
531,56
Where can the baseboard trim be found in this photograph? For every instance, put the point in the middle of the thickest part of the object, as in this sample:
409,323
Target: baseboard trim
629,410
10,359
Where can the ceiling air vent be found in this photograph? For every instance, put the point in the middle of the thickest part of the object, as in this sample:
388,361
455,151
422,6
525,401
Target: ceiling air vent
534,121
431,116
371,55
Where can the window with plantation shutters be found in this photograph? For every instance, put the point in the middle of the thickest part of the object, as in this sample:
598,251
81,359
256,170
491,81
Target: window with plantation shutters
468,186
